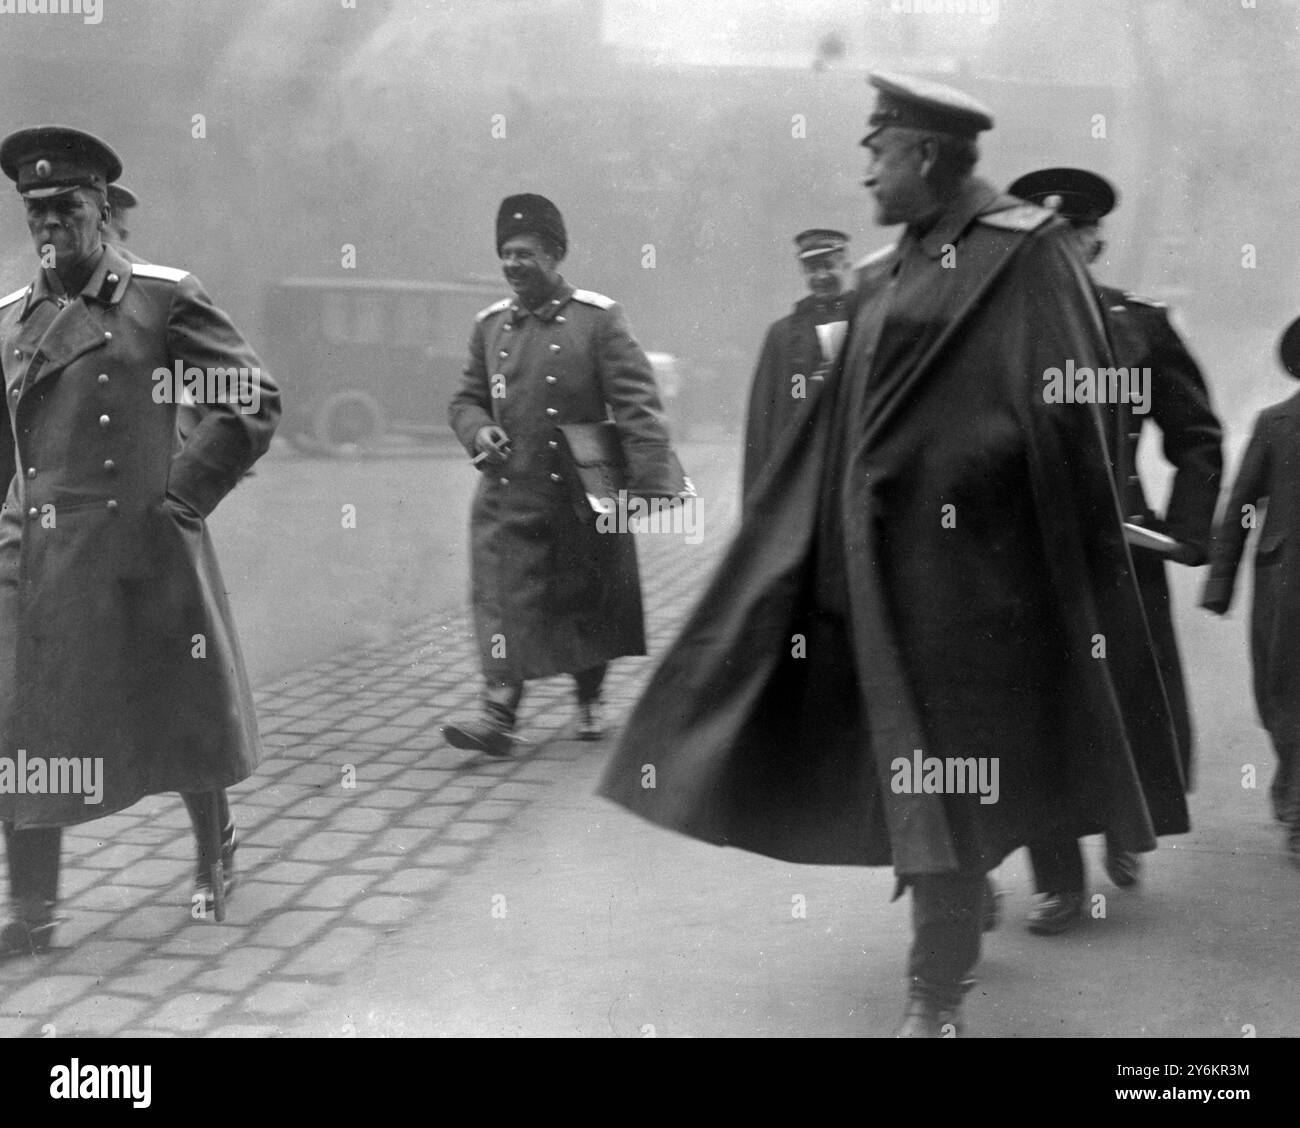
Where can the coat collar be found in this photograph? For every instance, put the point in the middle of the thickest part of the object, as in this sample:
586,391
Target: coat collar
106,284
976,197
559,298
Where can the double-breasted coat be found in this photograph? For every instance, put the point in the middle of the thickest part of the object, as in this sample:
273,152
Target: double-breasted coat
550,592
937,571
1192,441
116,638
790,368
1266,496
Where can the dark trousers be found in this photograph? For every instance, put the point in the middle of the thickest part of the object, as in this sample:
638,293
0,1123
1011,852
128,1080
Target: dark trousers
501,699
1285,789
947,925
1057,864
33,852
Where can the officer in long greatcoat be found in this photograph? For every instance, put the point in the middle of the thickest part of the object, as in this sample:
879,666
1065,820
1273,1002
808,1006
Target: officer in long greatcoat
551,593
1192,440
799,348
120,671
1266,496
917,586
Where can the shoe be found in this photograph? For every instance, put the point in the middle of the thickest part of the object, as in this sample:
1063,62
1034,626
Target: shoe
23,937
591,721
1122,868
993,898
928,1018
1055,913
203,875
479,736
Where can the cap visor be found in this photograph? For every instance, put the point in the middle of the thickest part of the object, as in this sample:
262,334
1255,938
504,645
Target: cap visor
46,193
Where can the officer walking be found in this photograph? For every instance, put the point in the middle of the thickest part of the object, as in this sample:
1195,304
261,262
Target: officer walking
1143,339
551,593
799,348
120,671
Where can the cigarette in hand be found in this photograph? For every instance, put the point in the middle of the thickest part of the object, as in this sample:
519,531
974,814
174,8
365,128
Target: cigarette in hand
478,458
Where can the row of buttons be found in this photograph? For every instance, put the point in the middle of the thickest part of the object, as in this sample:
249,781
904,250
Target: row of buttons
550,411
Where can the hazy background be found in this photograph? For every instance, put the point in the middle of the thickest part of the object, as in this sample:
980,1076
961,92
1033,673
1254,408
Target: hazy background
668,123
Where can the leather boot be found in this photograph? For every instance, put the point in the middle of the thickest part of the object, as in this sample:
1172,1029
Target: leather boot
591,720
31,930
33,859
494,733
1123,868
1054,913
933,1010
200,805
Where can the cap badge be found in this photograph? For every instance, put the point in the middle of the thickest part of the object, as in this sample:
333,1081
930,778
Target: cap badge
43,169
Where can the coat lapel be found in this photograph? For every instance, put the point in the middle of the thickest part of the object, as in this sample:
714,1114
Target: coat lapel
74,331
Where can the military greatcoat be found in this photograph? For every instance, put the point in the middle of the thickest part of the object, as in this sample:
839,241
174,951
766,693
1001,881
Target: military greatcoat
116,638
551,593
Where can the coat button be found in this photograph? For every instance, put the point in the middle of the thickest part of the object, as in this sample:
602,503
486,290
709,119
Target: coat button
14,392
102,378
507,327
552,412
505,481
104,421
112,279
108,336
555,478
552,444
33,513
550,379
111,505
109,465
31,472
503,352
555,348
560,320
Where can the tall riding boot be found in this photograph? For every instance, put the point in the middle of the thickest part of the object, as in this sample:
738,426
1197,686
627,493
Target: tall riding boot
587,683
494,734
948,913
33,856
200,805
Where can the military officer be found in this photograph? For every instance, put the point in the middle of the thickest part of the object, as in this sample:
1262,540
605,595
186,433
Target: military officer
800,347
551,593
120,201
118,653
1143,338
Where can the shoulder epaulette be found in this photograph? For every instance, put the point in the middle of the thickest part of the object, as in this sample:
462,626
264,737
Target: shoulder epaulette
16,296
1138,299
495,307
149,270
590,297
1022,217
875,256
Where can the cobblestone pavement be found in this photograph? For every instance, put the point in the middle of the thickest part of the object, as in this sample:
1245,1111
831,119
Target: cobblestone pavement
355,823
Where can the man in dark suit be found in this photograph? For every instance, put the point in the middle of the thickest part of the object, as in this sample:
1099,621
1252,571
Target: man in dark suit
1144,339
1269,479
119,663
799,348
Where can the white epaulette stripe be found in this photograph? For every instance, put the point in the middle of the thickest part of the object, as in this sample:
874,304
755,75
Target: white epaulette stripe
590,297
495,307
16,296
1021,217
149,270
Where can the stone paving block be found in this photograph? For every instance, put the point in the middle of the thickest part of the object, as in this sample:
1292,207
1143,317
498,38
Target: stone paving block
74,880
156,978
424,779
283,998
98,957
96,1016
243,1032
486,775
50,993
431,817
152,922
403,840
393,799
111,898
287,873
81,925
189,1012
319,777
383,910
175,819
19,1028
339,950
254,898
239,969
330,846
534,771
146,835
445,855
115,857
278,832
414,880
277,794
250,859
359,819
412,751
453,795
153,872
291,928
372,768
320,807
378,863
203,938
336,890
493,810
468,831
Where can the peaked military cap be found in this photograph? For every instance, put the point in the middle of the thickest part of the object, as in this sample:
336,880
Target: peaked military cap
819,241
121,198
918,103
529,214
1073,193
1288,349
51,160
